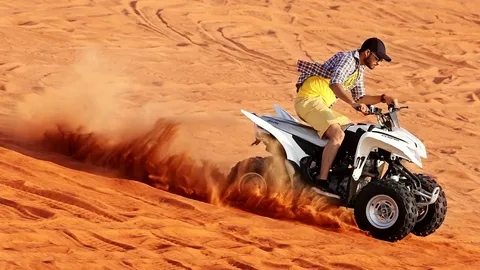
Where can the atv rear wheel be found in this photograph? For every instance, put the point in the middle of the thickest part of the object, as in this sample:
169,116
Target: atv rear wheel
257,177
434,214
386,209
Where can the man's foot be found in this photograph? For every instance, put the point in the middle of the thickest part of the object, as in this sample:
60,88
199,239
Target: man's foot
323,185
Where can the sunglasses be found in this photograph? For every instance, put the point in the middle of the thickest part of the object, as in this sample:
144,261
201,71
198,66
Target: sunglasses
376,57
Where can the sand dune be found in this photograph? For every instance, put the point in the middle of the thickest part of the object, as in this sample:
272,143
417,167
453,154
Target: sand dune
120,120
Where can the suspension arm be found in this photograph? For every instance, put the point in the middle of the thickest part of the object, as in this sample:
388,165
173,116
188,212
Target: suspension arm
409,175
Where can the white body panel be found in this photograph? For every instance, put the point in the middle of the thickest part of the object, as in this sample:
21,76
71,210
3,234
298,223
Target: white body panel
420,146
292,150
371,141
297,129
284,114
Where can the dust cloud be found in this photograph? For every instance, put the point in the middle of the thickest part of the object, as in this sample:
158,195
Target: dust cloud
91,119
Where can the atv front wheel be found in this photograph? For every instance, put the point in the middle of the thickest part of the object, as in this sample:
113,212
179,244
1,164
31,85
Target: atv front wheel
433,214
386,209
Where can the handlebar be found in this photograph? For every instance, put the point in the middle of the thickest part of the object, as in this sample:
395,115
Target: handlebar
377,111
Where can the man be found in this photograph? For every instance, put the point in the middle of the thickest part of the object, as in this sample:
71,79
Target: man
320,85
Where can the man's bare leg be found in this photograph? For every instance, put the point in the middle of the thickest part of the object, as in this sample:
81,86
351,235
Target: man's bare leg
335,135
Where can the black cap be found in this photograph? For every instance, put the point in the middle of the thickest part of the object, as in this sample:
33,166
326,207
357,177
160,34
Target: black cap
376,45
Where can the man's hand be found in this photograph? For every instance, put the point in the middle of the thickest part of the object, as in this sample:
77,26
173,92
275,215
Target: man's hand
389,99
360,107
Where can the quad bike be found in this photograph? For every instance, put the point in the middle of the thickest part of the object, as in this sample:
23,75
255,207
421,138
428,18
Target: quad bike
368,173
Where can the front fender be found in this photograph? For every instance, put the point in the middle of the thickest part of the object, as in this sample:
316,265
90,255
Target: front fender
371,140
419,144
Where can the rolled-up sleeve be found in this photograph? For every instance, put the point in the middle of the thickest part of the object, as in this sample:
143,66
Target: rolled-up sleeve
345,65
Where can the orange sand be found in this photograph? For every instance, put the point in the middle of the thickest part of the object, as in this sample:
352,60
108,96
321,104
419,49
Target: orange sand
120,120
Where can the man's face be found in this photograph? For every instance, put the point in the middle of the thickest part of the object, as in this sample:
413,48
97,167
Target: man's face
372,60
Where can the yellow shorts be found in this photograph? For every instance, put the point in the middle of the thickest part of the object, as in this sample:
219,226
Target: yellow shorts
315,112
317,87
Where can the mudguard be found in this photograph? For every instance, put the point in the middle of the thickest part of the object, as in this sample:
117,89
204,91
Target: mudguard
419,144
371,141
292,150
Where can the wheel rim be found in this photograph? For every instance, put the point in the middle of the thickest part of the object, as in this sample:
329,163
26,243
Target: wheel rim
422,212
382,211
253,184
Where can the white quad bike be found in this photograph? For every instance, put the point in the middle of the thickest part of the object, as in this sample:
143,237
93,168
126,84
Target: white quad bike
367,174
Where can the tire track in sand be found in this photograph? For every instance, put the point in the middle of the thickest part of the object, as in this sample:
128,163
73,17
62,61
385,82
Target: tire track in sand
29,212
145,22
159,15
64,201
236,46
96,241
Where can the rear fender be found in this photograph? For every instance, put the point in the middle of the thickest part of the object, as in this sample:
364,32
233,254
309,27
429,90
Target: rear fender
292,150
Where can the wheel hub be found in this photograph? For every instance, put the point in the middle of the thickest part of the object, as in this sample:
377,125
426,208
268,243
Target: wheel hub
382,211
253,184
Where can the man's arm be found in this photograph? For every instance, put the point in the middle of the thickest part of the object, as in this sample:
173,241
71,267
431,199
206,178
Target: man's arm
340,92
337,88
371,100
344,65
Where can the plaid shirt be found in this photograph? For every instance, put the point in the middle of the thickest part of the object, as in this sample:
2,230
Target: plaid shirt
338,68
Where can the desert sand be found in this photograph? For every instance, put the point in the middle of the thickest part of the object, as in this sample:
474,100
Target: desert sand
95,94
